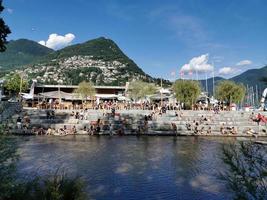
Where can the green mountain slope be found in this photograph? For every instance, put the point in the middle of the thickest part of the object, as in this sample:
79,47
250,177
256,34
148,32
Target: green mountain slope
22,52
99,60
100,49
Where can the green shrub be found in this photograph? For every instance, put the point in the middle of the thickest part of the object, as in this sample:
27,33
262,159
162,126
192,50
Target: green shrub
246,172
52,187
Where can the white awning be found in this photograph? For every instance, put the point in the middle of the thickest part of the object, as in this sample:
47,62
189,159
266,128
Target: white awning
61,95
106,96
164,91
74,96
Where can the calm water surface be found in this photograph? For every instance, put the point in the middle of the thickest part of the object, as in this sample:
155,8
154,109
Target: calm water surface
131,167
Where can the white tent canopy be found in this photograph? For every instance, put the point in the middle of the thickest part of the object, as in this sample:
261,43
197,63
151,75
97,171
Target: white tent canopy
106,96
74,96
61,95
164,91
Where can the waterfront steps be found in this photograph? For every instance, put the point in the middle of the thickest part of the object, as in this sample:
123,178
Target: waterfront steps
135,118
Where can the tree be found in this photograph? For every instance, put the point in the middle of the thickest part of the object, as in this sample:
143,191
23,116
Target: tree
187,91
4,30
16,83
85,90
230,91
246,170
149,89
139,89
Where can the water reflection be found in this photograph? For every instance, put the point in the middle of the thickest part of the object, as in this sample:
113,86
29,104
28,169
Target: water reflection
131,167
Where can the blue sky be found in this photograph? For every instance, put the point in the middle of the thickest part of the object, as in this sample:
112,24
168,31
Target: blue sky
160,36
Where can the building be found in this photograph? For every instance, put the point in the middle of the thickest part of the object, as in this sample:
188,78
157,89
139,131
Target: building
67,92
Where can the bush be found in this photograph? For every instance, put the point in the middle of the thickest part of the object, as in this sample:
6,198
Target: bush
246,172
54,187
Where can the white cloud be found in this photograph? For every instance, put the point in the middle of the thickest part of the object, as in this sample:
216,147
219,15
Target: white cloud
9,10
56,41
244,62
226,71
42,42
199,64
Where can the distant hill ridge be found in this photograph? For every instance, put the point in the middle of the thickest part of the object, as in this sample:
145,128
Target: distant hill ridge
99,60
22,52
252,78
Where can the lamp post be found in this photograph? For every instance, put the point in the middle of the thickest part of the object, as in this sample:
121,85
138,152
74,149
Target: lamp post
20,86
1,83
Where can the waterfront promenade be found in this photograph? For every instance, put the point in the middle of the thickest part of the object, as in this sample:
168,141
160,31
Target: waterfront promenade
136,122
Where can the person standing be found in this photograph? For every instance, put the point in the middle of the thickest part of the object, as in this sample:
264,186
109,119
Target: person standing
19,123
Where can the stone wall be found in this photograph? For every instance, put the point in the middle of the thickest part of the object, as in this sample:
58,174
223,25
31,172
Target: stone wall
8,109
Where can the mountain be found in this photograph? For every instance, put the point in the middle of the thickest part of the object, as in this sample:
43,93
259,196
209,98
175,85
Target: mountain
22,52
99,60
98,49
250,78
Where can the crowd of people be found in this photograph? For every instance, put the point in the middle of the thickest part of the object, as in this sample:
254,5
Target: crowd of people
199,126
203,125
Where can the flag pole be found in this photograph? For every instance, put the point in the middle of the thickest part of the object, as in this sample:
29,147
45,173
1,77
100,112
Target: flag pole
161,93
257,95
213,89
206,83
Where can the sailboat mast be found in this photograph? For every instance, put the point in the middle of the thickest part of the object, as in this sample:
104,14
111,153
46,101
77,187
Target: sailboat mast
257,95
206,83
161,93
213,89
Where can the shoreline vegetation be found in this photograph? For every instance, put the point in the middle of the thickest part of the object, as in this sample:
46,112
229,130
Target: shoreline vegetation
56,185
245,170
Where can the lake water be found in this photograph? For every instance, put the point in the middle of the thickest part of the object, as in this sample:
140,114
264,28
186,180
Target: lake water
132,167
